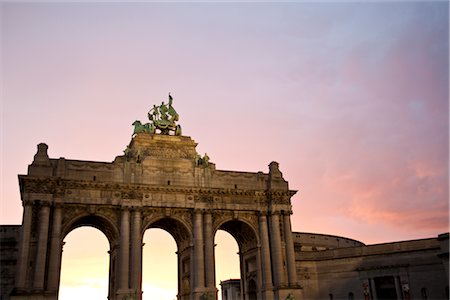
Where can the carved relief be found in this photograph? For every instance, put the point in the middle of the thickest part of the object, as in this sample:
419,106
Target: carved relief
41,185
163,189
131,194
219,217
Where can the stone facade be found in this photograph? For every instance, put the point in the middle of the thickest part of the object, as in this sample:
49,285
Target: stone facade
161,182
331,267
9,240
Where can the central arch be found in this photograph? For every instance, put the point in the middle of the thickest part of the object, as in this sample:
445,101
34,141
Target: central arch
159,265
182,235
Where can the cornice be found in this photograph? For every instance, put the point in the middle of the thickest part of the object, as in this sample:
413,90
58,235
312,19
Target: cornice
57,185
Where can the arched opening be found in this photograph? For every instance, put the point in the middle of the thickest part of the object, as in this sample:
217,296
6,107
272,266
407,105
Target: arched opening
249,269
227,266
85,265
166,259
159,265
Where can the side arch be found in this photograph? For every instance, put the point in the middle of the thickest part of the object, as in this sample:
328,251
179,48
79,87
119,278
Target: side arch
98,221
108,228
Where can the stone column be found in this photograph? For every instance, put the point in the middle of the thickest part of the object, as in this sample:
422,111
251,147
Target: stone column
112,272
41,255
54,268
265,253
136,253
373,289
290,254
277,255
199,265
260,287
209,252
398,287
24,246
124,251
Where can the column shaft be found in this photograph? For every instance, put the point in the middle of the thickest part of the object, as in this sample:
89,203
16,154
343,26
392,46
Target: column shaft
136,252
24,247
41,256
124,250
373,289
265,253
199,253
290,254
54,268
398,287
277,255
209,252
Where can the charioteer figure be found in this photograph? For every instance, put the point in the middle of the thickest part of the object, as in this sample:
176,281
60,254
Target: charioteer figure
162,118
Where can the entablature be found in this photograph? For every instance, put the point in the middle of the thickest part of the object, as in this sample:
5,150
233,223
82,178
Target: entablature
92,192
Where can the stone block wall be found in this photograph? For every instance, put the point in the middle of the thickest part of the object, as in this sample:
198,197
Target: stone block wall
9,238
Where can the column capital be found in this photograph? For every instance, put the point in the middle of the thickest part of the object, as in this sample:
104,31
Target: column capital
198,211
262,213
125,208
27,203
286,212
57,205
44,203
274,213
135,208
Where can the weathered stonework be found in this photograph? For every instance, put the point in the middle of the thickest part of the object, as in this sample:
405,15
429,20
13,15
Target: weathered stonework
161,182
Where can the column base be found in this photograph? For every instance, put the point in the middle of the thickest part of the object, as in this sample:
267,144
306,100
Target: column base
205,294
33,295
289,293
268,294
126,295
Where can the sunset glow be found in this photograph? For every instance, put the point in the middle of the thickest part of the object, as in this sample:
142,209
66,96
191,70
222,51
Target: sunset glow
351,99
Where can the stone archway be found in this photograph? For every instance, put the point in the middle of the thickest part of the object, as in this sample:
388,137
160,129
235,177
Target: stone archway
161,182
79,218
249,254
85,264
182,236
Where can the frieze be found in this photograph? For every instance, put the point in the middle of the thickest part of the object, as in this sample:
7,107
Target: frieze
86,165
204,198
132,194
38,185
171,153
114,192
280,197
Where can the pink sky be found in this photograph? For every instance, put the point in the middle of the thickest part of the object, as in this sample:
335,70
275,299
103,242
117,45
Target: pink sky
351,99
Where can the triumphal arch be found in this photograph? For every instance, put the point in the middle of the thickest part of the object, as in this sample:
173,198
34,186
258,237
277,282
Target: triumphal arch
160,181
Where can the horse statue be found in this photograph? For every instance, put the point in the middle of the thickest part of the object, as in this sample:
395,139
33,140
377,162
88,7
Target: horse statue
145,128
162,118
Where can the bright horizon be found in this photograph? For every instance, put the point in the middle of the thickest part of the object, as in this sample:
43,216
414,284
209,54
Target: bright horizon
159,268
351,99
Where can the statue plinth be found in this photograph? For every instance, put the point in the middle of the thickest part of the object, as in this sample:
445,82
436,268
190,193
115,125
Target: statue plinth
145,145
